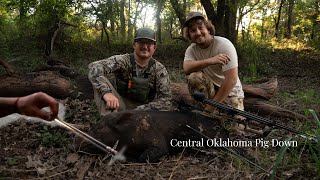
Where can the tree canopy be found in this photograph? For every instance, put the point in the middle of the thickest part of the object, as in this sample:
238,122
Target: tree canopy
116,20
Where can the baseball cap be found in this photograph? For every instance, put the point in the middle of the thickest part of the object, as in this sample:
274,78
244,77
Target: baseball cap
145,33
192,15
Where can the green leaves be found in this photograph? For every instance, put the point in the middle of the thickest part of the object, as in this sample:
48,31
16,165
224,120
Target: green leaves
279,158
53,138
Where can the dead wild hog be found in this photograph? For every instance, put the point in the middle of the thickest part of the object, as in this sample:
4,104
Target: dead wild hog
148,135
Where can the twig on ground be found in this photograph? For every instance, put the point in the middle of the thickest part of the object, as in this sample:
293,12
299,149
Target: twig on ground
138,164
177,165
63,172
304,145
18,170
197,177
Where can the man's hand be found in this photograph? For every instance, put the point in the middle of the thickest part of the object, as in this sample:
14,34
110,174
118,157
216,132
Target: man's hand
220,59
211,109
31,106
111,100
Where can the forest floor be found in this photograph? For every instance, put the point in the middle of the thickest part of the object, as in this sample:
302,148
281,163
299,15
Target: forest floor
34,151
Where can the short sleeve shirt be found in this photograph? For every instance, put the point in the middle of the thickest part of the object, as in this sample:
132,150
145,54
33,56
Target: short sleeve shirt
220,45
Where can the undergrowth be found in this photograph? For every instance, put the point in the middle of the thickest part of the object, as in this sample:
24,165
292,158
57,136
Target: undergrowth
54,138
306,156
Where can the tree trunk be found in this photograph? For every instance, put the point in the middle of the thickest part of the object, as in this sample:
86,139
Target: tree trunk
101,37
112,8
290,19
158,32
22,21
171,28
138,11
230,20
264,15
180,12
106,32
160,6
122,21
52,34
242,8
239,21
221,8
278,19
130,28
7,67
215,18
103,21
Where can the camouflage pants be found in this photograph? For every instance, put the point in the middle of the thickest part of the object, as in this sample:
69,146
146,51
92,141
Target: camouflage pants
101,104
124,103
198,81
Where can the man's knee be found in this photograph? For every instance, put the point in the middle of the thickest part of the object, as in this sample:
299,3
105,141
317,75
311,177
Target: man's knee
198,81
237,103
195,78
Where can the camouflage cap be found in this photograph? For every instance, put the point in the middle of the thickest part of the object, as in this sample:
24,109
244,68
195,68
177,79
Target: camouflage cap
145,33
192,15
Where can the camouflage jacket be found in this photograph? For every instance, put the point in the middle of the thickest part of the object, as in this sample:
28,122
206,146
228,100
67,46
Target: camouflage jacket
121,67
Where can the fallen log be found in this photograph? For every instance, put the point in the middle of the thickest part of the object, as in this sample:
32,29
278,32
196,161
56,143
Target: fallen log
263,89
60,87
55,84
256,96
46,81
264,108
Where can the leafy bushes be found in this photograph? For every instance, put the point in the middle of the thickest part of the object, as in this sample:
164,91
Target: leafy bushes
53,138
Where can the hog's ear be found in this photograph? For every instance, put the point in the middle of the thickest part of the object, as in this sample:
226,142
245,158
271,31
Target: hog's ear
129,117
124,118
115,118
123,122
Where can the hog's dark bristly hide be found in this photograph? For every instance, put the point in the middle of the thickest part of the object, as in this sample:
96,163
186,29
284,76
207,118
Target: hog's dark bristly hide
147,134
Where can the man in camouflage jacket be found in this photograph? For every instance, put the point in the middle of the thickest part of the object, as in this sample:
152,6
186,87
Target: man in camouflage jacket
153,82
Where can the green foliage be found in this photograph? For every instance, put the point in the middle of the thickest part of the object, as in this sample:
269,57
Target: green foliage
53,138
279,158
294,44
26,18
11,162
24,57
171,24
171,52
315,116
305,29
292,155
248,53
4,50
177,75
305,96
314,146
